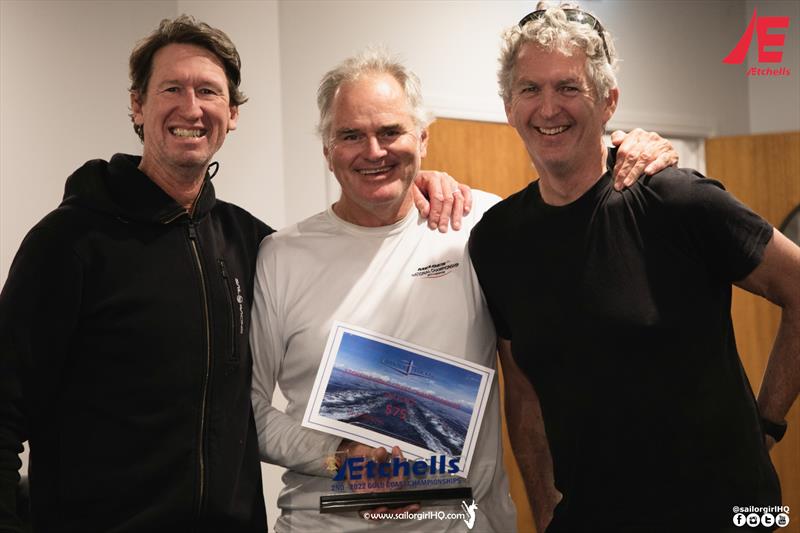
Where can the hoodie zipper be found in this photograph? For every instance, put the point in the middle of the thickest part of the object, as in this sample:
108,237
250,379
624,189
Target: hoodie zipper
223,269
201,435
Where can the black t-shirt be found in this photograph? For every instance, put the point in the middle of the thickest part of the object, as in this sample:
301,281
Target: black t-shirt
618,309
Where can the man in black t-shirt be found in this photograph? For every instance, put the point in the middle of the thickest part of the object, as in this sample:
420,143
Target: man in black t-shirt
626,397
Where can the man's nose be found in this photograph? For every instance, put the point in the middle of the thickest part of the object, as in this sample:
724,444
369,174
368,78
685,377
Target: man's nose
190,106
374,148
549,104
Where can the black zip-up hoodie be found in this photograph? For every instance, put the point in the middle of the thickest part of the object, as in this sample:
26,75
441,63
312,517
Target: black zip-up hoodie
124,360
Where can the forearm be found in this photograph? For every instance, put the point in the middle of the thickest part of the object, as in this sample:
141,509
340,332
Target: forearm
532,452
781,384
528,439
283,441
777,279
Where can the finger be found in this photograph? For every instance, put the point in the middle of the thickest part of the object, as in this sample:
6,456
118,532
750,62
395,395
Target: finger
631,151
447,209
397,481
458,207
410,508
636,171
436,198
658,164
420,202
673,157
621,170
356,449
622,150
466,192
380,455
667,158
617,136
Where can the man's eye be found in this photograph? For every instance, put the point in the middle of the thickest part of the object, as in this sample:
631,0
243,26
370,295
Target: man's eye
208,91
171,90
530,89
391,134
350,137
569,89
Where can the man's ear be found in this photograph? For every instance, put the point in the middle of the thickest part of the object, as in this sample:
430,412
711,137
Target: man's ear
509,115
234,110
611,104
136,108
327,154
423,143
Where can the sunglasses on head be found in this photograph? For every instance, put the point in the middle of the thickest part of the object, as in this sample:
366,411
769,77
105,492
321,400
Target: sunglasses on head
573,15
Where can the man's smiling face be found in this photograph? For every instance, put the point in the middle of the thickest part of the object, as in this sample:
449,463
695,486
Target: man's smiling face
375,147
185,111
555,109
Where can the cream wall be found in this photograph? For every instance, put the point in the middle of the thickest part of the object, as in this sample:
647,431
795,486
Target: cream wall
63,99
63,85
774,103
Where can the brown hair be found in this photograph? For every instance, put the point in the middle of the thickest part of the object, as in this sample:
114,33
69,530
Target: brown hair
184,30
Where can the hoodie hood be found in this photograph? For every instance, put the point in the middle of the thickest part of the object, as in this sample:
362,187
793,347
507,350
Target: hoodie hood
118,188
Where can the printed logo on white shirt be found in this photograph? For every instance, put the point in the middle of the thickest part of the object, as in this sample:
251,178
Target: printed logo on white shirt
436,270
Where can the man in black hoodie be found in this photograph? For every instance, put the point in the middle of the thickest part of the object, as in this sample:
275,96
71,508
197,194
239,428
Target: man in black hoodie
124,358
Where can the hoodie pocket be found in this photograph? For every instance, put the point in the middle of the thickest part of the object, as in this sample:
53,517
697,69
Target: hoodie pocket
235,303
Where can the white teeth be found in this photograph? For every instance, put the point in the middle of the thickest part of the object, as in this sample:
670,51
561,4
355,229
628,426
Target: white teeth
180,132
375,170
552,131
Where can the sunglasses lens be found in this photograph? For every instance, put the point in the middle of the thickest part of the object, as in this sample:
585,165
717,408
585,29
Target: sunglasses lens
573,15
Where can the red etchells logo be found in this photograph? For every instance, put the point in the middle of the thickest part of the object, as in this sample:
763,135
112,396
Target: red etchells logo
764,39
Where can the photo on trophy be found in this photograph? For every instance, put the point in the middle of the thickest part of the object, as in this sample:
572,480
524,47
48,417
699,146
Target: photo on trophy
386,392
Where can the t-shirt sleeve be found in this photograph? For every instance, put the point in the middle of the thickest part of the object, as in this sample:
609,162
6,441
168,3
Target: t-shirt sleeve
729,236
485,261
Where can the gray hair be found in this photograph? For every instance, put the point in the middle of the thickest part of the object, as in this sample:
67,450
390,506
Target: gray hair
554,32
373,60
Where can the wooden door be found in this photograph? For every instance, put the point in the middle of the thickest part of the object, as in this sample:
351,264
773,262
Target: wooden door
763,171
484,155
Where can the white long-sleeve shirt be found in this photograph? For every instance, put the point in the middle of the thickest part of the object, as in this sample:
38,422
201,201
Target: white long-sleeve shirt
324,269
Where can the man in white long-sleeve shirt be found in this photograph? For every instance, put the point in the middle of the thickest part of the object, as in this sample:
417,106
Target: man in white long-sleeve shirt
355,263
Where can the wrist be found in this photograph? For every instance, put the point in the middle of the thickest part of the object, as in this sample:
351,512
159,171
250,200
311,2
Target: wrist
776,430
